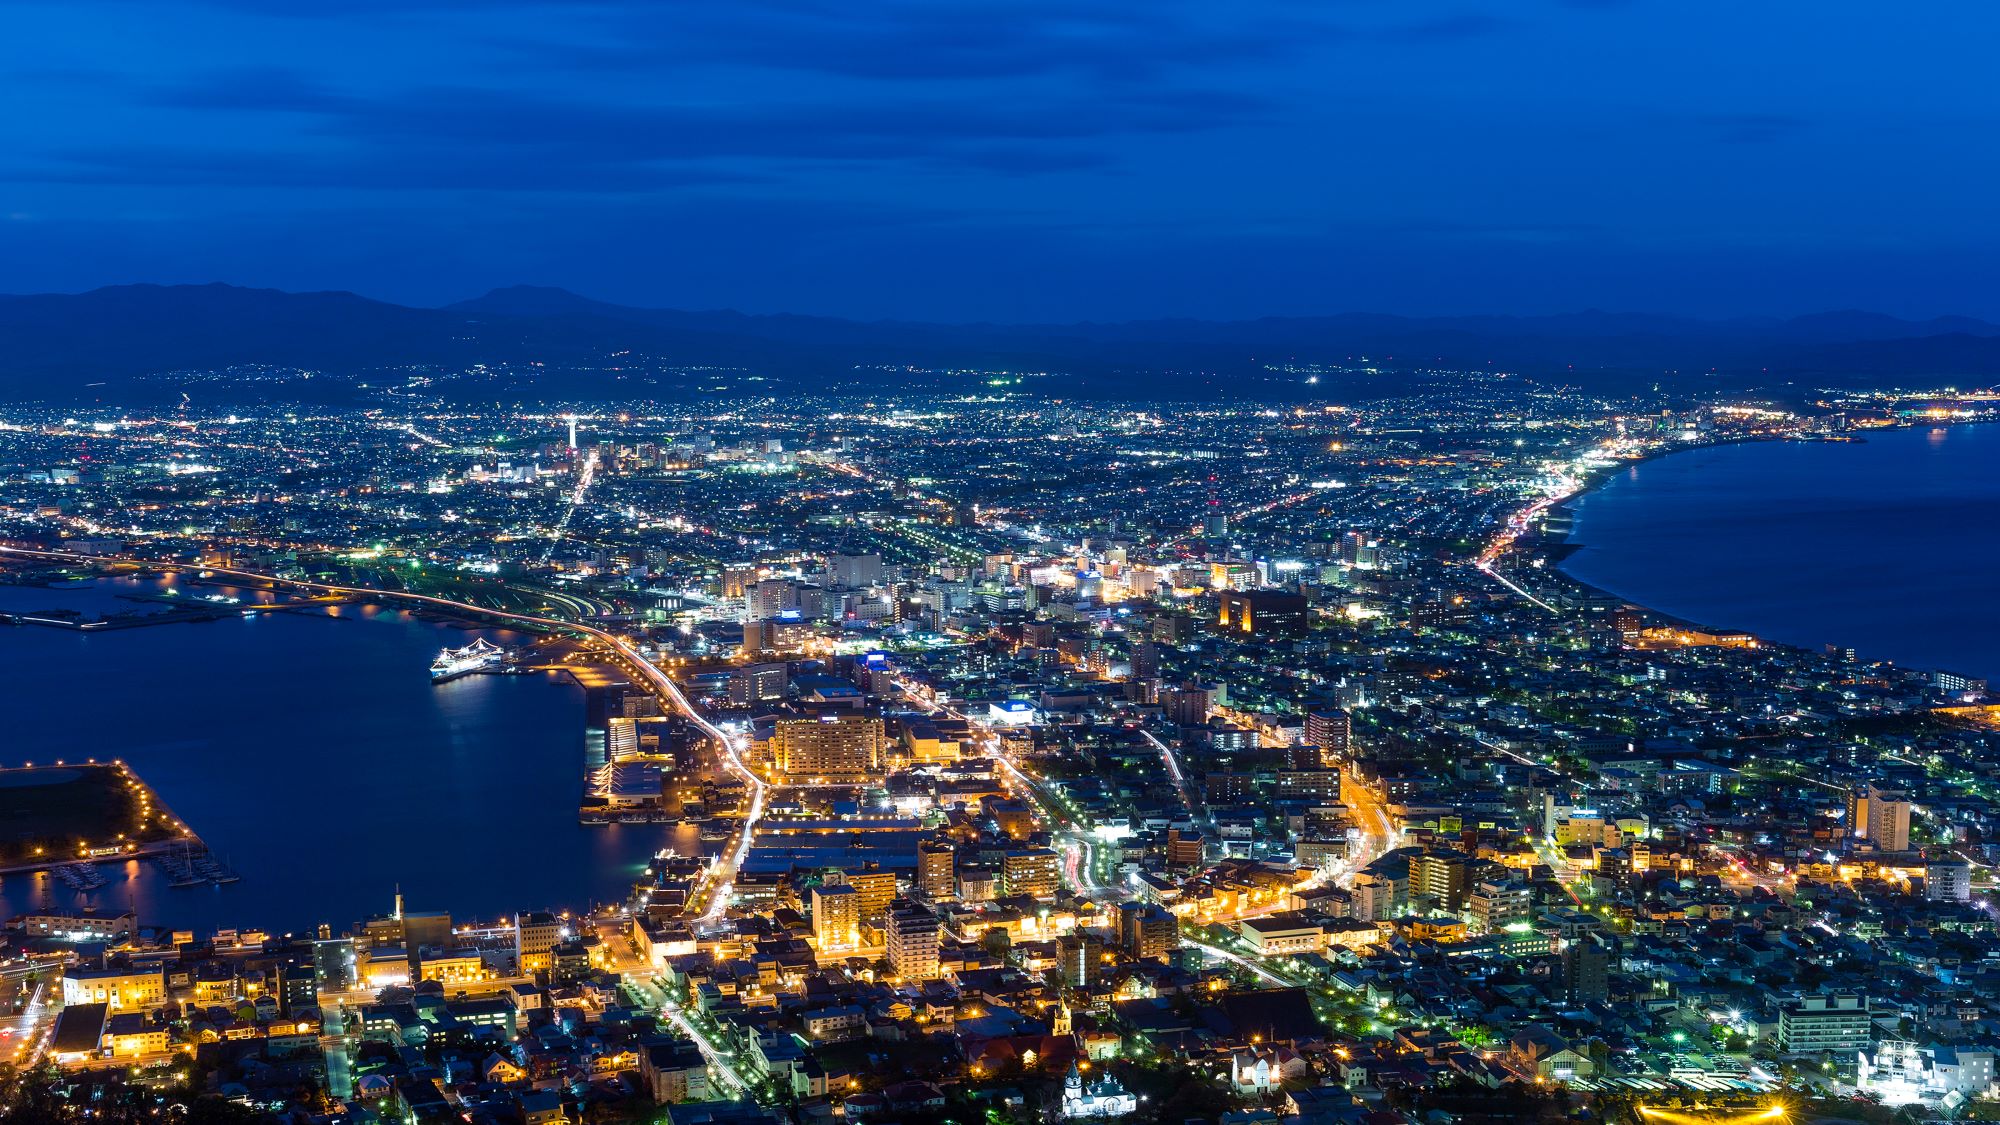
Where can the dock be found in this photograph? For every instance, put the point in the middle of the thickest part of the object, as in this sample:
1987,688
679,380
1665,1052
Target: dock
185,611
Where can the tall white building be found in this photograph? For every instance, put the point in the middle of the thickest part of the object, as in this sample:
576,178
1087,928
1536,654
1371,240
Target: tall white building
1880,816
913,942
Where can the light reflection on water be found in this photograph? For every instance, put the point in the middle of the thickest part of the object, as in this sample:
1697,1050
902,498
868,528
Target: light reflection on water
312,753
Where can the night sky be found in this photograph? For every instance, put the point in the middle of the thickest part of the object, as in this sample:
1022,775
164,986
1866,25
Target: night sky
1021,160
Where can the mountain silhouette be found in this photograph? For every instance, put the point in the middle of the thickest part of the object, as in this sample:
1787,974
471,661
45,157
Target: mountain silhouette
558,342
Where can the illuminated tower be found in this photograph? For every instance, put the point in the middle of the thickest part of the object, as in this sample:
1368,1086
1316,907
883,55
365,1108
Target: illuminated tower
572,431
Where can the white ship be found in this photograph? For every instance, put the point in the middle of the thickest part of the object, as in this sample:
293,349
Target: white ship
478,656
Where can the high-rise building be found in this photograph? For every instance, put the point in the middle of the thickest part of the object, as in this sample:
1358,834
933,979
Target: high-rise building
297,983
1185,850
1146,931
1441,874
937,877
1586,968
1031,872
1082,956
873,890
1353,544
1145,660
1880,816
832,746
913,941
836,918
769,598
1331,731
852,572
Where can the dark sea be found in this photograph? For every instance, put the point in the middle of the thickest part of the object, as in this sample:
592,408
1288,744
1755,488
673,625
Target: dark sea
310,750
1890,547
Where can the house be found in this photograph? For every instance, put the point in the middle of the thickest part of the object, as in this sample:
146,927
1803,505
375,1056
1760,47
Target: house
1256,1072
543,1107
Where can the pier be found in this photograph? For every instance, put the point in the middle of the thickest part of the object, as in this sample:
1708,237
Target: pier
50,808
185,611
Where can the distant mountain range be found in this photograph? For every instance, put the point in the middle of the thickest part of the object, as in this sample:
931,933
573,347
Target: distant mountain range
97,344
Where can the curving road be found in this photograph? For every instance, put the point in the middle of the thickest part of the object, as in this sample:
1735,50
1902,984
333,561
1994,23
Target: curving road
622,652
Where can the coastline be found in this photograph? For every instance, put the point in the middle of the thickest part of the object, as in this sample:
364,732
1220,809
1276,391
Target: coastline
461,742
1557,547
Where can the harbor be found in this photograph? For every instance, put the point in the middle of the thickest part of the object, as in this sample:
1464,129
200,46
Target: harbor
192,868
481,655
67,819
383,778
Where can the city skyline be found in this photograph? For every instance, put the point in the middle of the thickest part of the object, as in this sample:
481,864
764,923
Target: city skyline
1028,562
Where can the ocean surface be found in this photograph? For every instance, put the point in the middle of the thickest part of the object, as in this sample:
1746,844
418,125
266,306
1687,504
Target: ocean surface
310,750
1887,546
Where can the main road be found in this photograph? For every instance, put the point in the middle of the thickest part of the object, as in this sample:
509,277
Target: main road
622,653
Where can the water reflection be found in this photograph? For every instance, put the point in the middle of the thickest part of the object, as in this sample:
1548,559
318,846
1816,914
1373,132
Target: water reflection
312,753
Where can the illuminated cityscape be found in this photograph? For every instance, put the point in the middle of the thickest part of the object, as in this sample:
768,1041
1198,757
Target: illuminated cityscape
986,792
610,562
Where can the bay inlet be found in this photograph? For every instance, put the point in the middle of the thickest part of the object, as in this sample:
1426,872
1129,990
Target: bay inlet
1887,546
311,752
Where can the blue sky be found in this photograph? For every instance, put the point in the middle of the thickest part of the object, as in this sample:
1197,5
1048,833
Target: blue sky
1027,160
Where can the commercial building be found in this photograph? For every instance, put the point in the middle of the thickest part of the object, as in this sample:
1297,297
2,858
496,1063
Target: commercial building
75,926
535,934
1492,906
834,746
1262,613
1899,1072
118,989
335,964
1283,935
1030,871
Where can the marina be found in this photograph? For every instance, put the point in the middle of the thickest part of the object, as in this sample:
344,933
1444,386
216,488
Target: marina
194,868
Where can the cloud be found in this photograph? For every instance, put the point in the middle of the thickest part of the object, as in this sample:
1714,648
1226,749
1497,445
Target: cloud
523,138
